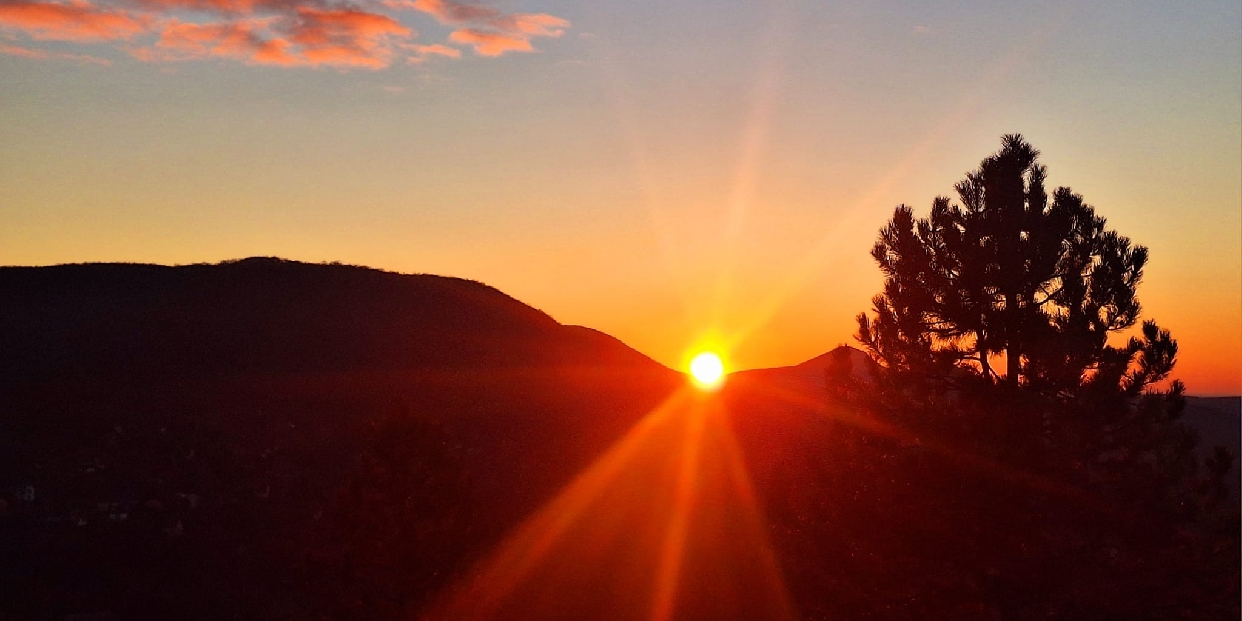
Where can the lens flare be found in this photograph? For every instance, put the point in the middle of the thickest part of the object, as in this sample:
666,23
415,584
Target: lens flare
707,370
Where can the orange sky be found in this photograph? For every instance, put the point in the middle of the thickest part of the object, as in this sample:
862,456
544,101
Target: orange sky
665,174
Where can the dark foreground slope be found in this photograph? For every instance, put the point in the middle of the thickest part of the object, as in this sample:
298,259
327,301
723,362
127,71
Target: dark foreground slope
966,518
271,439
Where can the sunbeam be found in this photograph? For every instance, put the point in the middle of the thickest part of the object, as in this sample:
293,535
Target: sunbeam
947,450
635,143
672,550
663,526
794,280
754,138
531,542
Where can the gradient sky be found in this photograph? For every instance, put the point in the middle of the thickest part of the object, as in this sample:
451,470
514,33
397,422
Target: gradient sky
669,174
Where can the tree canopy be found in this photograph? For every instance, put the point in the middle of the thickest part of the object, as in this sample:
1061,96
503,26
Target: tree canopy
1013,270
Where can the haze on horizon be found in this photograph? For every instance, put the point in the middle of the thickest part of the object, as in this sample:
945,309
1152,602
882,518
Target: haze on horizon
669,175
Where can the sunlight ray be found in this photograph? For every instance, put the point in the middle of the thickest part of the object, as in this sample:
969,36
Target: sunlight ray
754,139
755,522
627,120
796,279
631,537
672,549
520,552
935,446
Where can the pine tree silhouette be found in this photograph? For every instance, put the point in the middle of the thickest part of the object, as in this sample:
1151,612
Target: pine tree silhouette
1012,270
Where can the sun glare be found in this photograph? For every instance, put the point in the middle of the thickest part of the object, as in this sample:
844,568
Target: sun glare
707,370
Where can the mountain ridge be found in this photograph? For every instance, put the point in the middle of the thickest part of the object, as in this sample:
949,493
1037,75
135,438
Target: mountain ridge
288,313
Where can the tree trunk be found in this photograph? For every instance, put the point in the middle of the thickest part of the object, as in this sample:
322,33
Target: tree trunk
1013,352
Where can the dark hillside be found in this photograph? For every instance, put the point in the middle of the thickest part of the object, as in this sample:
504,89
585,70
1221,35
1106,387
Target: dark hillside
968,517
1218,422
216,441
257,315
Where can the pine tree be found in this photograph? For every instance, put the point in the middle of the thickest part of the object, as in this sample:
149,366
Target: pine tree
1011,270
1038,451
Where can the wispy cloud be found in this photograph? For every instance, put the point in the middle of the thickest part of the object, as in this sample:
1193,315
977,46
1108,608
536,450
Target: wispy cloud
13,50
487,30
346,37
76,21
286,33
487,43
421,53
313,37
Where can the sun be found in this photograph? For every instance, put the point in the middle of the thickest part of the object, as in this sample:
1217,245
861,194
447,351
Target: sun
707,370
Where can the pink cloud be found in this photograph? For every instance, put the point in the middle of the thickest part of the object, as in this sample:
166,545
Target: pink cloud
187,40
421,53
275,52
178,41
532,24
285,33
490,43
335,38
78,21
448,12
345,28
488,30
346,38
340,56
228,7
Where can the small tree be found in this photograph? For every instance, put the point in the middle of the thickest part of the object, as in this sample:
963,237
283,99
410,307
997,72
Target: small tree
1011,270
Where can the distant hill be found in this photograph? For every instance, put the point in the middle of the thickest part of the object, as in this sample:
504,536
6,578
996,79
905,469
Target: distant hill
272,316
813,373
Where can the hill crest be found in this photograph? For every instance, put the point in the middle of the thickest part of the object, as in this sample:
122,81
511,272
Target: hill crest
271,314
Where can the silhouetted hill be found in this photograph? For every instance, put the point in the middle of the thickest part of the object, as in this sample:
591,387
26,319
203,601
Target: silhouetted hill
269,315
811,374
212,441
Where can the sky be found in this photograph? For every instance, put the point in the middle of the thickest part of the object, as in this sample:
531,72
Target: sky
673,174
